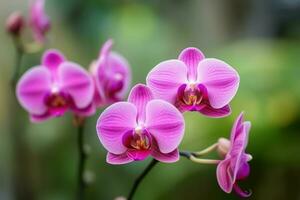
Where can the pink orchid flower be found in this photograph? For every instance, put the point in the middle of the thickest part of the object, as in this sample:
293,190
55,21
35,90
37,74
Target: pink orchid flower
195,83
112,76
142,126
52,88
235,166
38,20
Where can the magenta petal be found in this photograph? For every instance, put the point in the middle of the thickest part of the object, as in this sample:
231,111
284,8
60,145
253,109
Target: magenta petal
77,83
40,118
165,123
86,112
243,171
165,79
138,155
52,59
115,159
140,95
237,127
113,123
191,57
215,113
164,157
106,48
32,88
224,176
240,192
220,79
113,77
38,20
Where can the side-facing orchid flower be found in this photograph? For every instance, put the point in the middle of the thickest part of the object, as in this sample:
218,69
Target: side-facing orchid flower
195,83
54,87
112,76
140,127
235,165
39,20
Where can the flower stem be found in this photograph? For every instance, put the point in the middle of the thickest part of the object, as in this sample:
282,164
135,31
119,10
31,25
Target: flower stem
19,54
81,162
140,178
206,150
191,157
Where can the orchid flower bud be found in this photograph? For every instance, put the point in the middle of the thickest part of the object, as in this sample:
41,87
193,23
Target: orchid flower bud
15,23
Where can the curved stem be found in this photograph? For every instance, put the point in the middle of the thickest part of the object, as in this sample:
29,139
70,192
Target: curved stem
206,150
191,157
140,178
81,162
204,161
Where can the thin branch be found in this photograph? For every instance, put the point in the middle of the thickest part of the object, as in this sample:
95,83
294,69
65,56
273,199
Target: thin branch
140,178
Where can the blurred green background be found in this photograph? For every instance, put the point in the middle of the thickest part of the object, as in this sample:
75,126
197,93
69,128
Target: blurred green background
261,39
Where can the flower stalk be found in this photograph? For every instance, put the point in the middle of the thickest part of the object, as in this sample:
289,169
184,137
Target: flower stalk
80,123
18,60
191,156
206,150
140,178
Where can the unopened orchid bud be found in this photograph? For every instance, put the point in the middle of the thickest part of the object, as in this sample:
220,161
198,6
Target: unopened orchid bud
15,23
223,147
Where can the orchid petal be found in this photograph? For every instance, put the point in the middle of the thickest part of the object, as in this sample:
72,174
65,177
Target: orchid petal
40,118
138,155
32,88
220,79
165,79
224,175
113,77
240,192
77,82
140,95
191,57
39,21
236,128
165,123
52,59
87,111
113,123
115,159
215,113
106,48
164,157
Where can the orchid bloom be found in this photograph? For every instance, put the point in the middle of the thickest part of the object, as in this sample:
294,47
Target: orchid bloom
112,76
195,83
142,126
235,166
38,20
55,86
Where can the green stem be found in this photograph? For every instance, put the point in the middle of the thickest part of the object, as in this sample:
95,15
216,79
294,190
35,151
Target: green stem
19,55
81,162
140,178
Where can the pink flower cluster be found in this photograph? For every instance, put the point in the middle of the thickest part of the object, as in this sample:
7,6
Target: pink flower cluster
150,122
58,85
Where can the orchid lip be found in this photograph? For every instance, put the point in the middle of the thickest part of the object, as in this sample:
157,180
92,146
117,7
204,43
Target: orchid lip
138,139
